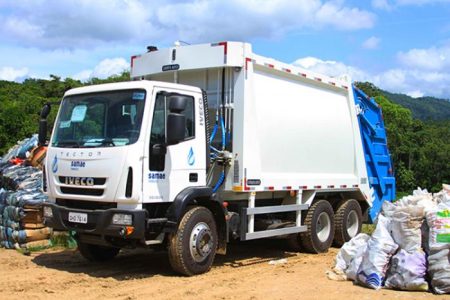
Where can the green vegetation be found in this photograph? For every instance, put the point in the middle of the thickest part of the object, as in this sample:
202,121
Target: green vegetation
418,129
21,103
368,228
63,239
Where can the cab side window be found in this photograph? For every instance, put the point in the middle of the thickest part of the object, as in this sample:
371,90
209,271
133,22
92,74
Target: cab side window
190,118
158,130
158,134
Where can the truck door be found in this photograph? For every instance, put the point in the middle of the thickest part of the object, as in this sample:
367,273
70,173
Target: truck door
170,169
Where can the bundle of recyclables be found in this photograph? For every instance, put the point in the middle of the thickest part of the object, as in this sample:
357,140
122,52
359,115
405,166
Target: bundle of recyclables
409,249
21,197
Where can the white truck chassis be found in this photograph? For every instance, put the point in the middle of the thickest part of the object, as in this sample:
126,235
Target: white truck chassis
222,144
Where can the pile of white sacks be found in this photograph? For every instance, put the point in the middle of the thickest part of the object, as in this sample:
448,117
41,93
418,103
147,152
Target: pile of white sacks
409,249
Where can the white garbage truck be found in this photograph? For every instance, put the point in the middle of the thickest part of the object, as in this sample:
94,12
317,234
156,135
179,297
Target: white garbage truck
208,143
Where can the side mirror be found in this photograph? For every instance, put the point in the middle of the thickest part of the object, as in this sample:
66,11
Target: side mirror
176,121
45,110
177,103
42,136
176,124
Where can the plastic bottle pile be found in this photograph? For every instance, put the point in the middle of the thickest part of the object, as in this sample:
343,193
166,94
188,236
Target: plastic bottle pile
409,249
21,197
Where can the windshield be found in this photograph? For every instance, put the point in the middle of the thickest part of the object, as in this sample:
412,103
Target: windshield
105,119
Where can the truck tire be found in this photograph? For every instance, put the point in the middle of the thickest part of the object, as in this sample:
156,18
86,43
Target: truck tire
348,221
320,232
96,252
193,247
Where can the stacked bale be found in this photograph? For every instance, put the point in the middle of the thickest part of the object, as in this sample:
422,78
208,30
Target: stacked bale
21,197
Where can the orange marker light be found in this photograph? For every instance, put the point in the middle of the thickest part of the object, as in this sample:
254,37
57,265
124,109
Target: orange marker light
129,230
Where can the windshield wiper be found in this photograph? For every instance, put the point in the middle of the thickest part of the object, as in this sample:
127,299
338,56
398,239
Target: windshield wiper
68,144
103,142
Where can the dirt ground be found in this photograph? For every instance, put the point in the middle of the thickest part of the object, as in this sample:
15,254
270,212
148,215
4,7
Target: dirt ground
245,273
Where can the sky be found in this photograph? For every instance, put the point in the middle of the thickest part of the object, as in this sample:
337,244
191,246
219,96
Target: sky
399,45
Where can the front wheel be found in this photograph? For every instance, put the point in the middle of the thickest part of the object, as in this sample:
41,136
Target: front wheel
320,222
96,252
193,247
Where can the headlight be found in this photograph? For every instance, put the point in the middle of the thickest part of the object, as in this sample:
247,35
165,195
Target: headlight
122,219
48,213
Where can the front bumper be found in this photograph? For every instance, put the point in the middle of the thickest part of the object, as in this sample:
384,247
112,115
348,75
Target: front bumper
99,223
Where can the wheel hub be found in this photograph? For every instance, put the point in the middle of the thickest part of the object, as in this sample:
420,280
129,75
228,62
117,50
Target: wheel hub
352,224
323,226
201,242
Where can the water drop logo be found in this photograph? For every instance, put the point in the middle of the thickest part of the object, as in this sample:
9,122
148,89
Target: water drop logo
191,157
55,164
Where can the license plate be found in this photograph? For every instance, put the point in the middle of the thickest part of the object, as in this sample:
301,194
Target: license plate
77,217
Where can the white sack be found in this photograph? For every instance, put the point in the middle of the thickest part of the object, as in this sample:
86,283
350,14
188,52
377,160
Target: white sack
438,221
375,260
407,271
348,251
352,269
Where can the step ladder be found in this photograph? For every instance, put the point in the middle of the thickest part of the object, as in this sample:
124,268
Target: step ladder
247,230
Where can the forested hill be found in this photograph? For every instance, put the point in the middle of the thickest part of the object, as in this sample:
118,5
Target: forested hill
422,108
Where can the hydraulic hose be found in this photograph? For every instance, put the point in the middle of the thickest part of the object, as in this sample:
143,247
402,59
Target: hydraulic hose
219,182
222,124
213,134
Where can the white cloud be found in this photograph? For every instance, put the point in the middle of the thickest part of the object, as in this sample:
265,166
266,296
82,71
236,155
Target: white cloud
371,43
420,2
415,94
108,67
343,17
381,4
74,23
331,68
410,81
421,72
13,74
434,58
105,69
85,24
83,75
391,4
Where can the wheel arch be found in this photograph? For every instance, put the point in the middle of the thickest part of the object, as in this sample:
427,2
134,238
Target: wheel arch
201,196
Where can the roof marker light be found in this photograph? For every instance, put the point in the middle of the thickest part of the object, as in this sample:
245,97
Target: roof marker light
132,60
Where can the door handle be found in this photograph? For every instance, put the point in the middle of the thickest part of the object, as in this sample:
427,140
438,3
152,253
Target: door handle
193,177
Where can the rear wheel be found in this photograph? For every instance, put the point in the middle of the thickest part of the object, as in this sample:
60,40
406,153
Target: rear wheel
96,252
348,219
320,222
193,247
